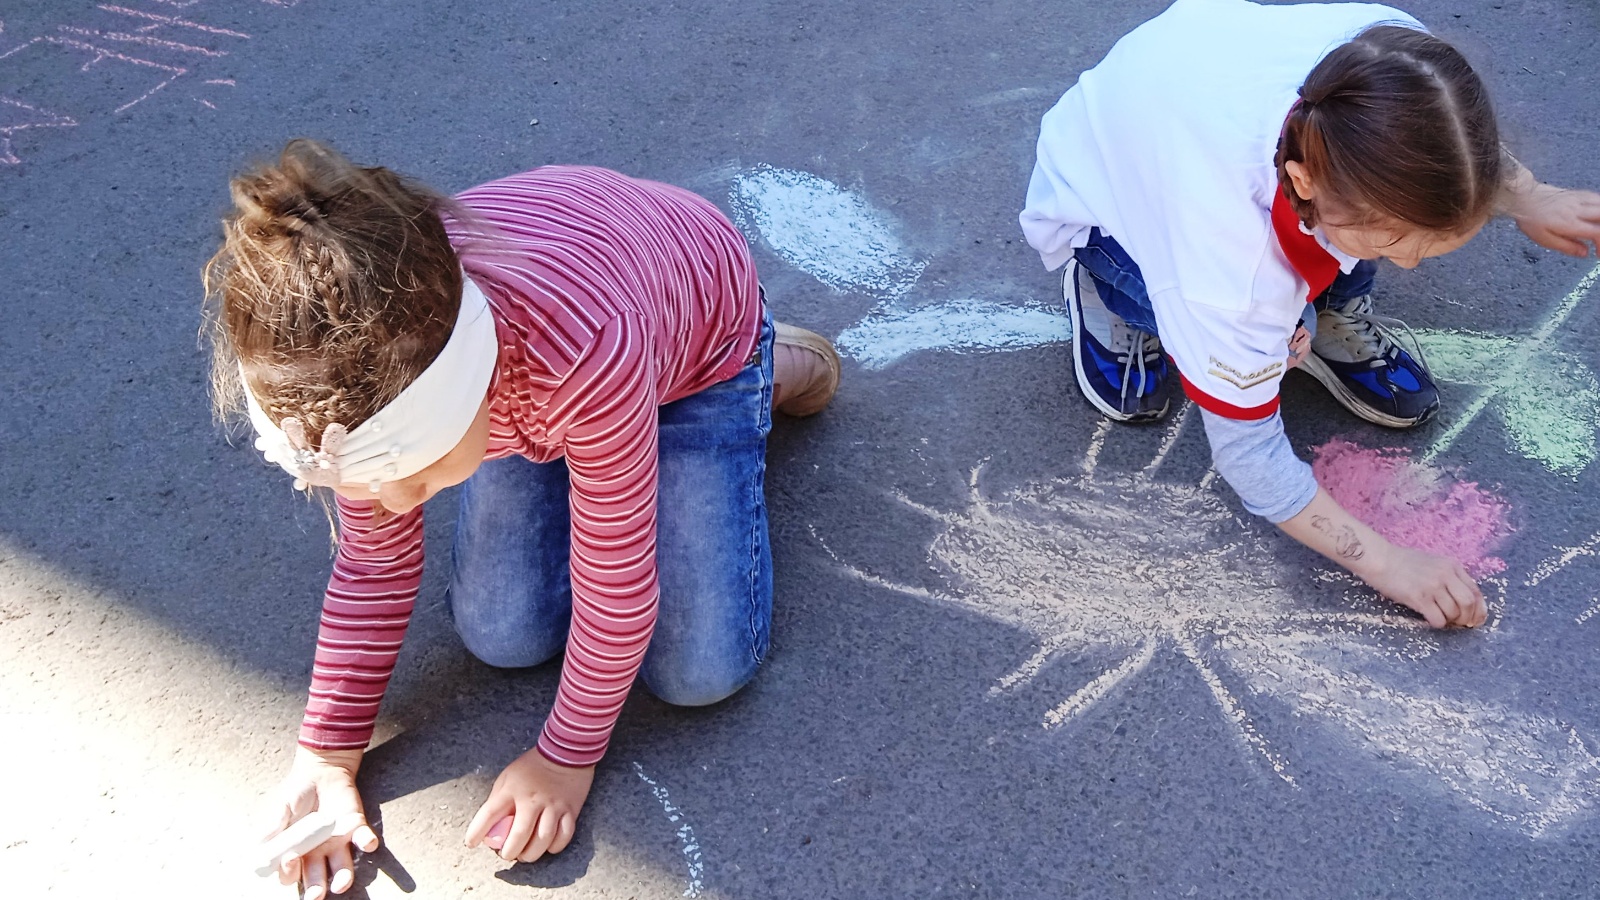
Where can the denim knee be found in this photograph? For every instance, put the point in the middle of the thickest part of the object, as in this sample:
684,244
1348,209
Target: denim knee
684,683
505,641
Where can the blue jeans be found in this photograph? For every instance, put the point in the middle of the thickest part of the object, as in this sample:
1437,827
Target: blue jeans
1122,288
510,593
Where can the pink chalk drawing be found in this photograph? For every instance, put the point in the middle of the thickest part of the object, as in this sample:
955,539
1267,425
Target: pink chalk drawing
157,48
1415,504
17,116
1140,572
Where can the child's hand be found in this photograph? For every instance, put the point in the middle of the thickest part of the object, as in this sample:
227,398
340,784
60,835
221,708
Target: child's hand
1437,587
323,780
544,799
1564,220
1299,346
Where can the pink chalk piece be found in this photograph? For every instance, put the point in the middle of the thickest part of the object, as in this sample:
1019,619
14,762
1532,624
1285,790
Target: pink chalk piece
496,838
1415,504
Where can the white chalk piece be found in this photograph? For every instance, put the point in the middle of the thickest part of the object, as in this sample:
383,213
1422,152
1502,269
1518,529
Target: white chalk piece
305,833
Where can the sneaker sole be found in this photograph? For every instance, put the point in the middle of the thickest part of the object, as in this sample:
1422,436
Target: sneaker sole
817,399
1085,386
1316,368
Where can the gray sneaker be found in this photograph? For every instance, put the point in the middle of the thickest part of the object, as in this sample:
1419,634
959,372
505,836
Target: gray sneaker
1356,357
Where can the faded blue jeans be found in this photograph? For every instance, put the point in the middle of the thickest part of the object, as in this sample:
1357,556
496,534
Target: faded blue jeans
511,595
1122,289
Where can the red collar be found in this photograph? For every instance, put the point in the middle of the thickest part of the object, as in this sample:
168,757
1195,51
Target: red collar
1310,259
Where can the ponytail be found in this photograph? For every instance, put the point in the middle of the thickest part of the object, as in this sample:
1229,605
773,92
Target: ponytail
1394,125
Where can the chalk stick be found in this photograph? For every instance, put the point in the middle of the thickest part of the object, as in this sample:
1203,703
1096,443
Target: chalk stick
305,833
496,838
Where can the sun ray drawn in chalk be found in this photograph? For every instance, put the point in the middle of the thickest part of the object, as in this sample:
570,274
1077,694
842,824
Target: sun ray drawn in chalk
1254,631
1558,563
1546,397
839,238
687,844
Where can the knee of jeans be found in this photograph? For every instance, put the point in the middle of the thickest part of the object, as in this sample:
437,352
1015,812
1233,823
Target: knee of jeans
510,651
505,642
689,685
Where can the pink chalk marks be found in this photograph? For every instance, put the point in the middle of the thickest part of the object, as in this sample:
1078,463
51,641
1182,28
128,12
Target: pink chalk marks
17,116
115,58
1415,504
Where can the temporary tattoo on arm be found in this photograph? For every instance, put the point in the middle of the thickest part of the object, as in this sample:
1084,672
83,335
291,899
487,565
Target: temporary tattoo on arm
1345,542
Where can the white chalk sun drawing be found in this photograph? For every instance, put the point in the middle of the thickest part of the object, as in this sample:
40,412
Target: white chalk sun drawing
1216,600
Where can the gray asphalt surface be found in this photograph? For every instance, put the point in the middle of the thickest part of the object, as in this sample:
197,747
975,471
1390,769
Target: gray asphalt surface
158,586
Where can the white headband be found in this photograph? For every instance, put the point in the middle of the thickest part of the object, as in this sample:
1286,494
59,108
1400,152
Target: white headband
411,433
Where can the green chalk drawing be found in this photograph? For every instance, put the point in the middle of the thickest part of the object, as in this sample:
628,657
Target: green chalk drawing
1547,398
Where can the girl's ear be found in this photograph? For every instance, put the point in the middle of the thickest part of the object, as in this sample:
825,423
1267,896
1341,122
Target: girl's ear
1301,179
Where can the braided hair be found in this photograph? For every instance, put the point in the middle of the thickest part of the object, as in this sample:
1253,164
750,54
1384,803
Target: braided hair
1394,126
335,286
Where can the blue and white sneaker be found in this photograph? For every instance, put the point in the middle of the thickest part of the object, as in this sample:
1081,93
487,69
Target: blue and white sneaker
1120,369
1356,357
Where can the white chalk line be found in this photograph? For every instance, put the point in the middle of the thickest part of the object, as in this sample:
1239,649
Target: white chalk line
1097,689
686,840
1563,558
1097,442
889,335
1527,770
1033,665
834,235
1244,726
1516,362
1588,614
1168,440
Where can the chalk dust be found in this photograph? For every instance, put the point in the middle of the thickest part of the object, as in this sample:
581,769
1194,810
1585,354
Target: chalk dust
1414,504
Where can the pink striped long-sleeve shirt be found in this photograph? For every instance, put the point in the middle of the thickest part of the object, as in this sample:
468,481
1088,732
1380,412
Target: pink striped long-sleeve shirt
611,296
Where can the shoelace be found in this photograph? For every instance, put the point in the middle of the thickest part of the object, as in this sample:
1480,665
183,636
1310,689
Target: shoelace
1379,331
1142,350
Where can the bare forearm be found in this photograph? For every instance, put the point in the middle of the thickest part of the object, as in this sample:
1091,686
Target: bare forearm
1327,528
1437,587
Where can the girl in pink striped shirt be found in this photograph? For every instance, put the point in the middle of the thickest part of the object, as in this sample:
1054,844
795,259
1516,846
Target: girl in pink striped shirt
590,354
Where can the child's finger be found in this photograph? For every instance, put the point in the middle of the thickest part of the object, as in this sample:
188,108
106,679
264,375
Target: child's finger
1430,611
543,834
521,831
564,832
342,867
1448,607
1469,597
316,877
365,838
488,814
289,869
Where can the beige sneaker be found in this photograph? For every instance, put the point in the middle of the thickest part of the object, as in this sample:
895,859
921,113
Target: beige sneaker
805,371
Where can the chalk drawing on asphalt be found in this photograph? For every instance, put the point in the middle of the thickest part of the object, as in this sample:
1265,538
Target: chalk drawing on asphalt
17,116
693,856
1221,604
831,234
1559,561
841,239
1216,600
1547,398
115,60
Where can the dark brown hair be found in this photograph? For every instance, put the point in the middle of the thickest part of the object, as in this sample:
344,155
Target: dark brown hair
335,286
1394,126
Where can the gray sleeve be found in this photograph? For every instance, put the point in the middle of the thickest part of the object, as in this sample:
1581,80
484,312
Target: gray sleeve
1256,460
